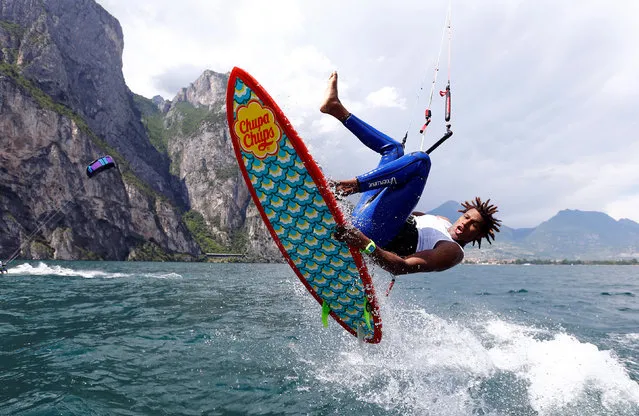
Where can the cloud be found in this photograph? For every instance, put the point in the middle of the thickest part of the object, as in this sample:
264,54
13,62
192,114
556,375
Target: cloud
176,78
624,207
386,97
544,94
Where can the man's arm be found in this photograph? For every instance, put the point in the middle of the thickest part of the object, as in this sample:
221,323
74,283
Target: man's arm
445,255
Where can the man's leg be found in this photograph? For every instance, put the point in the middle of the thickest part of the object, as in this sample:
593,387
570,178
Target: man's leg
372,138
391,194
391,191
375,140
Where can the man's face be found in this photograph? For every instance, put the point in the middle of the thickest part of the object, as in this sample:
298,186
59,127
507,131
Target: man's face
467,227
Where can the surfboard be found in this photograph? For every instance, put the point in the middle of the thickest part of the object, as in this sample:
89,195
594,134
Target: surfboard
298,208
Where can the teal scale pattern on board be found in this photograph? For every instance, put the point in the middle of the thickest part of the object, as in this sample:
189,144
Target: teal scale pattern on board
304,225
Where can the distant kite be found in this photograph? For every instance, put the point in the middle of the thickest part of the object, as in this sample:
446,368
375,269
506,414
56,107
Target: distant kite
98,165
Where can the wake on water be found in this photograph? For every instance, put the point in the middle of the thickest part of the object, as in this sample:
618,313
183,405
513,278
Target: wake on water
427,364
42,269
480,364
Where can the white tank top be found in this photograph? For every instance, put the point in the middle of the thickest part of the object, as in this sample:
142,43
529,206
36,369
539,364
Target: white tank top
431,229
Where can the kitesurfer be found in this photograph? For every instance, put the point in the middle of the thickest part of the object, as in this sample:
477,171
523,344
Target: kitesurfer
383,224
3,267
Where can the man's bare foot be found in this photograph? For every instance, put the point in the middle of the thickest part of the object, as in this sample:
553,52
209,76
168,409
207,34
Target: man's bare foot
332,105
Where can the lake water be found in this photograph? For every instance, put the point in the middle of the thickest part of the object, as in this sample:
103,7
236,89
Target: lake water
125,338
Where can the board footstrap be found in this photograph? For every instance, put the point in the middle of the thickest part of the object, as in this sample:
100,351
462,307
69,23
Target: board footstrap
326,309
367,314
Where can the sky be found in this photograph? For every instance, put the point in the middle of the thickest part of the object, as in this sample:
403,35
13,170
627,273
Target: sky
545,93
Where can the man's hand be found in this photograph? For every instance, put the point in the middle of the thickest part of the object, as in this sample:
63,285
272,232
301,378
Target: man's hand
351,236
355,238
344,188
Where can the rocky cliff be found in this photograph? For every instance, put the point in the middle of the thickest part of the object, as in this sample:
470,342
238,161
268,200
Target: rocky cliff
193,130
63,103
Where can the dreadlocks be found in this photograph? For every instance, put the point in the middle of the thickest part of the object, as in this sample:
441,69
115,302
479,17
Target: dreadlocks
490,225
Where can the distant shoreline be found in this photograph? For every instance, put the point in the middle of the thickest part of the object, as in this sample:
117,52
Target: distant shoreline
565,262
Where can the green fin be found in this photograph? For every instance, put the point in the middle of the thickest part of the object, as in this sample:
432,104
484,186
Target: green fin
325,311
367,314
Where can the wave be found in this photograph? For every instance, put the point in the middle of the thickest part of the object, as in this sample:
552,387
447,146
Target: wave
627,340
481,364
43,269
617,294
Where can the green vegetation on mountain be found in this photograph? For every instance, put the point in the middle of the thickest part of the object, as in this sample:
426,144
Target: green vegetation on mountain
191,117
197,227
186,119
12,28
153,121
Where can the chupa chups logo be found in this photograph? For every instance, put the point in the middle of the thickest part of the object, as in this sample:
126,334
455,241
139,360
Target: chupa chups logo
257,130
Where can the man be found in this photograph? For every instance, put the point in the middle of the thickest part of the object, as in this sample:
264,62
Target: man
384,226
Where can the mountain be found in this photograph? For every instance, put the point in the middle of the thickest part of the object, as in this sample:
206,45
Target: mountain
192,131
585,235
63,103
449,209
571,234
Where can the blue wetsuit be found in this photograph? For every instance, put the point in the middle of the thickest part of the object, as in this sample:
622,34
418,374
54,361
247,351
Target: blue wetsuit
391,191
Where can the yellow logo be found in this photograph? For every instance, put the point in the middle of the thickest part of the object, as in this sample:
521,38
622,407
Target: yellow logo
257,130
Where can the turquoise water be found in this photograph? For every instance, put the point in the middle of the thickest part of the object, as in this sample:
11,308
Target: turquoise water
111,338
